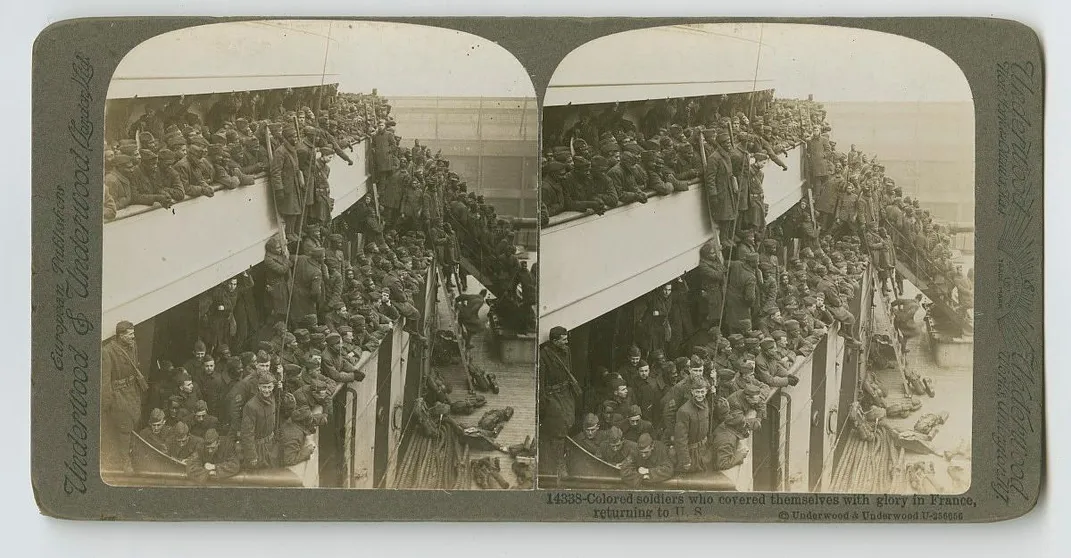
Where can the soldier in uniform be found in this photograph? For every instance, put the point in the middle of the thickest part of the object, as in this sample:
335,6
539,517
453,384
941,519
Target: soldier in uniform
200,421
692,429
182,445
727,441
628,179
742,297
122,389
217,459
614,449
578,189
287,183
649,389
648,463
295,444
257,431
591,434
558,393
768,367
157,432
711,274
635,425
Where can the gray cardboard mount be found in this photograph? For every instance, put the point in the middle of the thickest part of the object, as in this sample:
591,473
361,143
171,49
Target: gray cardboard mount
72,65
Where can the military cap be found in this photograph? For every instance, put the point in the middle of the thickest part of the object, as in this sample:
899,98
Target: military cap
736,339
241,121
833,300
634,411
615,435
809,300
181,375
333,338
768,343
558,332
301,414
695,362
291,370
147,155
344,329
122,160
600,163
157,415
617,382
751,257
166,156
211,436
792,325
123,327
265,378
778,334
181,429
215,150
318,384
645,441
735,418
317,338
262,356
301,334
200,406
590,420
698,382
723,343
581,163
312,364
633,351
248,358
726,374
770,310
752,389
633,148
199,141
747,365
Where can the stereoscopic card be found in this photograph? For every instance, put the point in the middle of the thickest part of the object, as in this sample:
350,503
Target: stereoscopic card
538,269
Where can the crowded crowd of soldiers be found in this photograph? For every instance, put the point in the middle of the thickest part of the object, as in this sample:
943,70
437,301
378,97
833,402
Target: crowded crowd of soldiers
418,191
711,345
172,154
254,385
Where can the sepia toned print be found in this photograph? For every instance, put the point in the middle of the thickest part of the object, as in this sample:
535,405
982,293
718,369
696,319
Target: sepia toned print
757,269
319,260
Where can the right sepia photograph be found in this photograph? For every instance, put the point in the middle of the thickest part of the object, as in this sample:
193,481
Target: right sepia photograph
756,263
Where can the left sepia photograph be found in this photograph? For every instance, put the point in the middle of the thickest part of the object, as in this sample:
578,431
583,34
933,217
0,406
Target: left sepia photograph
319,260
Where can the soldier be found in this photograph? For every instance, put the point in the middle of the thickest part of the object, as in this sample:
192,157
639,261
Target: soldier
629,180
317,393
649,389
182,445
214,386
287,183
711,274
654,320
751,402
157,433
217,459
635,425
692,429
768,367
579,189
334,362
257,431
622,399
200,421
295,443
648,463
728,441
604,187
558,393
614,449
308,283
742,298
721,192
591,434
122,389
